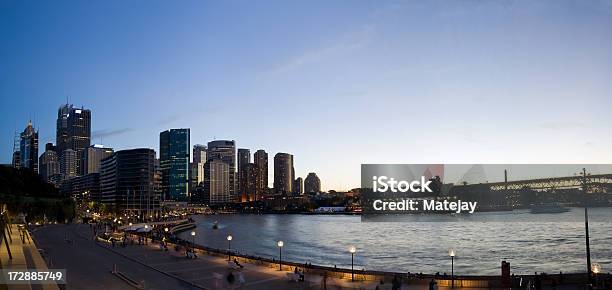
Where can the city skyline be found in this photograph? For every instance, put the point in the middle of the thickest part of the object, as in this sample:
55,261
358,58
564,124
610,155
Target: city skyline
475,83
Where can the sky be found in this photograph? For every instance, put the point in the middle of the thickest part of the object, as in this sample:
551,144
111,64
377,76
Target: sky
335,83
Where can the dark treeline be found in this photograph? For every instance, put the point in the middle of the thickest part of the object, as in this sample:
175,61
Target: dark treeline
23,191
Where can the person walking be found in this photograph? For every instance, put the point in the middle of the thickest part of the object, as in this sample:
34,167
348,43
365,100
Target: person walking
538,282
396,284
432,284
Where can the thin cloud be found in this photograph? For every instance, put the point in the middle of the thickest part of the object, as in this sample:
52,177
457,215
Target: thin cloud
345,44
169,119
562,125
109,132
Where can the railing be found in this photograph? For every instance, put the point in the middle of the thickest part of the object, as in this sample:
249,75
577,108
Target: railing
5,226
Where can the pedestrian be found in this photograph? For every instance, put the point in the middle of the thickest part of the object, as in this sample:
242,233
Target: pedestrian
325,281
241,280
432,284
396,284
230,278
538,282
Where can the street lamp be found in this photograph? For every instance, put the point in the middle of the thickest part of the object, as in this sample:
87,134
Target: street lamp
352,249
229,247
595,268
280,245
193,239
166,229
146,235
451,253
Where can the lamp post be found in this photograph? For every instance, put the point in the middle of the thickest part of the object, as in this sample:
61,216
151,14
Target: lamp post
229,247
193,239
280,245
596,268
146,234
451,253
352,249
584,187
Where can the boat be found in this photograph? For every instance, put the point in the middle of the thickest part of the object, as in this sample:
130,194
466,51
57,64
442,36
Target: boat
215,225
548,208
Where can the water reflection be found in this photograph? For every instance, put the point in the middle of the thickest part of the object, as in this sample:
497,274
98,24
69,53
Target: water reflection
417,246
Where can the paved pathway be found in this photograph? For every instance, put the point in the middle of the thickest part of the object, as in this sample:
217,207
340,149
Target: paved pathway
89,263
25,255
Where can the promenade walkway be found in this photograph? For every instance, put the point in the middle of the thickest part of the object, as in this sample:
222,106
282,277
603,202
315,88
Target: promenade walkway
25,255
89,265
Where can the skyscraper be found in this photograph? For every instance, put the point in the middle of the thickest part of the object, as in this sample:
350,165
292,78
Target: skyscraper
127,181
312,184
28,148
199,153
174,150
283,173
298,186
196,171
244,158
48,164
261,162
68,164
16,159
196,175
73,132
250,192
92,157
217,182
224,151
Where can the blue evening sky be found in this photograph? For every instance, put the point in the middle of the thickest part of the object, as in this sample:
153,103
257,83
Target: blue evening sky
336,83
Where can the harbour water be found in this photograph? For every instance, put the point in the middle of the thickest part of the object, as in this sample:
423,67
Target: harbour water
531,243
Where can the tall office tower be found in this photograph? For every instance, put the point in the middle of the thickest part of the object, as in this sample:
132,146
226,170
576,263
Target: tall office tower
251,193
199,153
217,181
225,151
174,151
244,158
312,184
196,175
73,132
16,159
298,186
68,164
92,157
127,181
283,173
28,148
261,162
197,167
157,179
48,164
